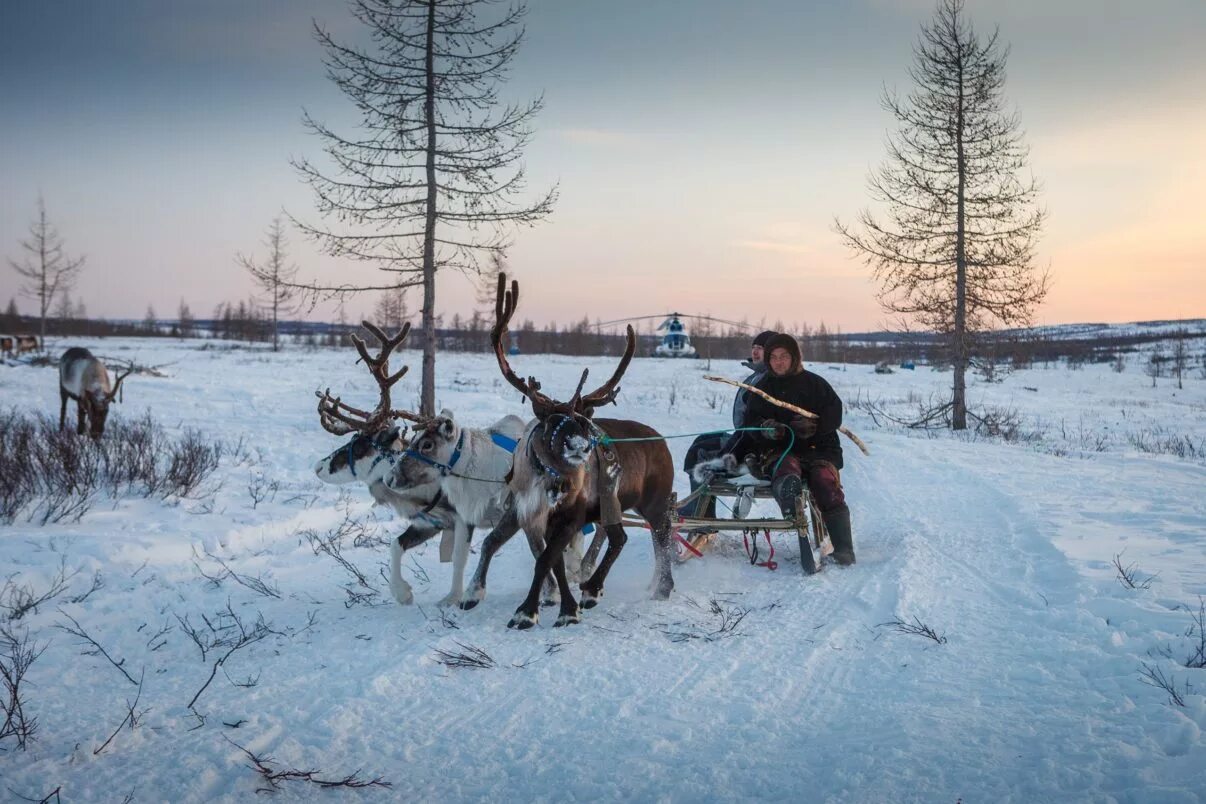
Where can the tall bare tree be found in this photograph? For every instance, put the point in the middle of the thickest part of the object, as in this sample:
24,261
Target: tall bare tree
954,249
275,278
47,269
433,180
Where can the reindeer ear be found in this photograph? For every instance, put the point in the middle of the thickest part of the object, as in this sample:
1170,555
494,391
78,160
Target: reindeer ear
447,427
445,413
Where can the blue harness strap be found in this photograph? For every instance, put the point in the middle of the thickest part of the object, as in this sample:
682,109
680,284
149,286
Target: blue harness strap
445,468
500,440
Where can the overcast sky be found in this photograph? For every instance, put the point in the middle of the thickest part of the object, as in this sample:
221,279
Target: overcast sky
702,149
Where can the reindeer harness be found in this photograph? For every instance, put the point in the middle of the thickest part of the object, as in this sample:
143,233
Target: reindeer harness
501,441
607,477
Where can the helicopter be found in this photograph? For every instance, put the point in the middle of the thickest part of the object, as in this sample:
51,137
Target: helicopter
676,342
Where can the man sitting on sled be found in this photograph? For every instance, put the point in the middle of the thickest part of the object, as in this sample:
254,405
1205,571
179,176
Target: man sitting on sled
815,454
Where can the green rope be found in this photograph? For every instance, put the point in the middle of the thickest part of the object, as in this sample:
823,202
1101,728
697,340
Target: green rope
606,439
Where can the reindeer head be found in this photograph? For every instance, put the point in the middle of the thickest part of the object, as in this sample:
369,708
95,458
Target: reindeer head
435,447
96,401
563,435
376,440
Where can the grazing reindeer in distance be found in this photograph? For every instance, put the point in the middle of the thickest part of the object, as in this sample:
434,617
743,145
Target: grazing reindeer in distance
562,463
368,457
28,343
84,378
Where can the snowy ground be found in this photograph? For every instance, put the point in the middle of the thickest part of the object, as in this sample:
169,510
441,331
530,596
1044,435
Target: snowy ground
1004,549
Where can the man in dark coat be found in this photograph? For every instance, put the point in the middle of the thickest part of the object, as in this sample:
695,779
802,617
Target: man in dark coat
815,454
706,447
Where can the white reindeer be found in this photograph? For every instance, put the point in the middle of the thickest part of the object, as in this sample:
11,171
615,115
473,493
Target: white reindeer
84,378
370,455
369,458
472,466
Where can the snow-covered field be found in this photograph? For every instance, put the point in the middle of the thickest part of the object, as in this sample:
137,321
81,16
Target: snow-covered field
1003,549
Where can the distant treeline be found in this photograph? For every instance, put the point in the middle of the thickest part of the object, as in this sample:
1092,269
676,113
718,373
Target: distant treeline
244,321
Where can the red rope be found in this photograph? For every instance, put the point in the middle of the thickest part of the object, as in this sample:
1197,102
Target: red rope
752,551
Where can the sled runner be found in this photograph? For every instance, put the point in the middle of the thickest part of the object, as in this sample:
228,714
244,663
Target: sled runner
737,494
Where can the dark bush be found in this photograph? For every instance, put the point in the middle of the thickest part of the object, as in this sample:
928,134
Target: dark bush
52,475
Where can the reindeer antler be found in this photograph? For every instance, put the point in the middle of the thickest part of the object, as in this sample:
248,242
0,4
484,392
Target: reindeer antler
117,385
505,302
339,418
608,391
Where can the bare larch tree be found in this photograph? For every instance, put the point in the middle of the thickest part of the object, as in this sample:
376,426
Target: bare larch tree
47,269
434,179
954,249
275,278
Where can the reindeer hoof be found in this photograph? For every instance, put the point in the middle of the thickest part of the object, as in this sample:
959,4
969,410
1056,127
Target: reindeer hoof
403,594
567,619
590,599
475,595
663,592
523,621
449,600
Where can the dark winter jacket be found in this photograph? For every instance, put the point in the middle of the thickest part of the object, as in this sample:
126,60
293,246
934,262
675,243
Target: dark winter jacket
805,390
742,400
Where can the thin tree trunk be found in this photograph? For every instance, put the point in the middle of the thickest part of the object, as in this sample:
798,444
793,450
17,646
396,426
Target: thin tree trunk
45,288
427,399
959,400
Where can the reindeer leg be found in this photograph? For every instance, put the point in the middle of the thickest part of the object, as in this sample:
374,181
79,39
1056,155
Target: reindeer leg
507,527
570,613
62,409
663,556
79,409
412,537
592,590
591,556
528,613
460,556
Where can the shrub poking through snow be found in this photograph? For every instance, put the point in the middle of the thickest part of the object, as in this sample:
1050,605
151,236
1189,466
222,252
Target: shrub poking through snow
52,475
1129,576
17,655
916,628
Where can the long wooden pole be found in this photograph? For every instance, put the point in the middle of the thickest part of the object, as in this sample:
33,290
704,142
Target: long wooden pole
858,442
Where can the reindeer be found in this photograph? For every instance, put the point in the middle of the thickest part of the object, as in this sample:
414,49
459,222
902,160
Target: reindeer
28,343
376,444
568,471
84,378
6,346
468,465
471,466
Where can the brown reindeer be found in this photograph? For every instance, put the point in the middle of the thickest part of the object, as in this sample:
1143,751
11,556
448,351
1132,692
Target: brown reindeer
84,378
568,472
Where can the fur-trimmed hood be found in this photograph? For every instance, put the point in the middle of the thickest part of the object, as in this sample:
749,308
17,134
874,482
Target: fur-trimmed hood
782,340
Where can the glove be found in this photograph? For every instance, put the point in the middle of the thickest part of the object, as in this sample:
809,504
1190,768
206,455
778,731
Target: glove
803,427
778,430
